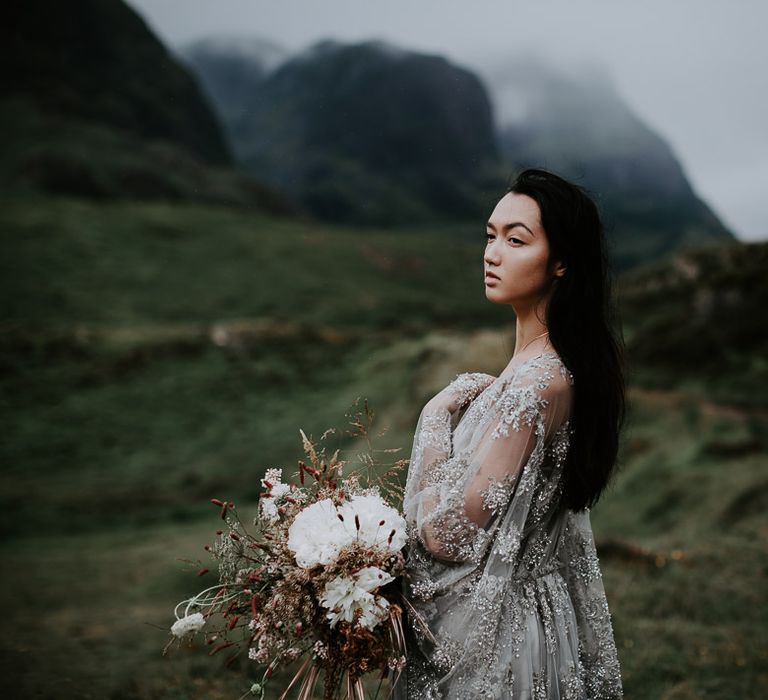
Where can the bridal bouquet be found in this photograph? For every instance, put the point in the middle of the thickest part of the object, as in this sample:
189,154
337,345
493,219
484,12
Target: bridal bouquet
314,582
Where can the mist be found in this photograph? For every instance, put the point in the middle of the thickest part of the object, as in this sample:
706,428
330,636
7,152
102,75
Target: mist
693,71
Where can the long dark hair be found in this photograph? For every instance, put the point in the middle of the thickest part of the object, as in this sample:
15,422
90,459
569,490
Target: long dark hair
583,329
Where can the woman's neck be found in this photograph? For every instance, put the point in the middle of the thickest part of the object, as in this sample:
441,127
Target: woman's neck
531,335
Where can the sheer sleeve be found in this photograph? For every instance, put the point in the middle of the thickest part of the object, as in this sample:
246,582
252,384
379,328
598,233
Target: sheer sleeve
454,497
432,443
463,389
597,648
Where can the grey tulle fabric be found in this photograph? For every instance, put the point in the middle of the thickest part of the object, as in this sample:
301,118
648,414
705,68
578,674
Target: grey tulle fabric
506,581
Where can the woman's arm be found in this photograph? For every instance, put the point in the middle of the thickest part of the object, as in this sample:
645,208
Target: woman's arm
460,494
433,441
463,389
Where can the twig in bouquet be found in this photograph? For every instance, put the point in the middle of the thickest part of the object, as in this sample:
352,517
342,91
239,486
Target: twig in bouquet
355,690
361,421
307,689
378,686
255,688
387,482
278,589
417,616
302,670
230,515
361,428
259,688
240,523
398,643
198,600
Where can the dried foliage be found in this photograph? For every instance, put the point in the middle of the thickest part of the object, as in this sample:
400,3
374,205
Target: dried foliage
316,574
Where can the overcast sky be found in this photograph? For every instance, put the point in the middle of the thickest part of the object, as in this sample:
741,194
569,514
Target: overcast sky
696,71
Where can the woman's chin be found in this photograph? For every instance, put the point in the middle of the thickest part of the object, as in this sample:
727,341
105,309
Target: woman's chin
492,295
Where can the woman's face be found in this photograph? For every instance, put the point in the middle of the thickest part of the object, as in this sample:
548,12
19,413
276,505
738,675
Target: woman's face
516,252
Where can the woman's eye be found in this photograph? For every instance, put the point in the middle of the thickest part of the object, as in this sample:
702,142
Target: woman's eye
512,239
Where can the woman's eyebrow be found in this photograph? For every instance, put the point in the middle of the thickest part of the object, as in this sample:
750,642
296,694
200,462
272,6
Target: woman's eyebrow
507,227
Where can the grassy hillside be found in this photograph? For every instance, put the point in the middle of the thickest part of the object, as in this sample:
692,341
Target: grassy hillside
131,263
691,320
683,551
58,155
155,356
126,361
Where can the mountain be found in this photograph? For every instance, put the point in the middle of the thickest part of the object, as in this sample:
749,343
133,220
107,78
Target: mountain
95,106
372,133
97,61
231,68
578,125
363,133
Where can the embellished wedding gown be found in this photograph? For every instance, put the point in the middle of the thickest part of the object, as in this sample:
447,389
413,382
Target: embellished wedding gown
508,584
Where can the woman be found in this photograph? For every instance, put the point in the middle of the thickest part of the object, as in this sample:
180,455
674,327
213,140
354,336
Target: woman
502,569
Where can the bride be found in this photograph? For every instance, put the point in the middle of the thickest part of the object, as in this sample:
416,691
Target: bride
502,569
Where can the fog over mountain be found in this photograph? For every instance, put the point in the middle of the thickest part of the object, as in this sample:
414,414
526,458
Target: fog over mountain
373,132
692,70
231,66
365,133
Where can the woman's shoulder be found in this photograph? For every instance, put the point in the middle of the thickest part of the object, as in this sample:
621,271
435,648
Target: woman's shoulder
542,378
542,385
544,369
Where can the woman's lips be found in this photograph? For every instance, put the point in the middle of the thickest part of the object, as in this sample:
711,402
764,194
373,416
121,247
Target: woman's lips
490,277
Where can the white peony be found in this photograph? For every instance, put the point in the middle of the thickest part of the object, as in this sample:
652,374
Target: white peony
317,535
371,511
190,623
344,595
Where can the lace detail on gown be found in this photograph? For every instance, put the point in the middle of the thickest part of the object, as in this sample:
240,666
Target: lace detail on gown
507,582
436,431
466,386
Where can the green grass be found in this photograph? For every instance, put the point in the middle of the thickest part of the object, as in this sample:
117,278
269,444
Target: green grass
92,607
125,411
68,261
154,437
690,616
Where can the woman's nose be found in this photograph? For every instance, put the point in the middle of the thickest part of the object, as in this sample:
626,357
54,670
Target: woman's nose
491,255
